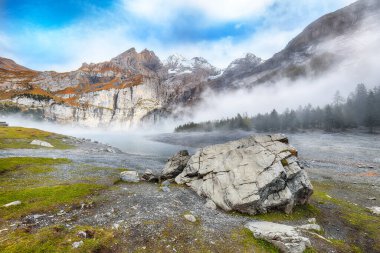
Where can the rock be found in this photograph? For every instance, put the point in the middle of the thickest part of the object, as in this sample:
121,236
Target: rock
285,237
110,150
82,234
130,176
210,204
3,230
14,203
77,244
375,210
175,165
37,216
312,220
42,143
149,176
165,189
252,175
310,227
371,198
190,217
365,166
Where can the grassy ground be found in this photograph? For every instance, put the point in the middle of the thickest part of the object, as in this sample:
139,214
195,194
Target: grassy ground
19,137
58,239
27,179
29,164
362,227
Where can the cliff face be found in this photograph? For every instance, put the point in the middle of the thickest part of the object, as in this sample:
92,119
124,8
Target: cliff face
126,90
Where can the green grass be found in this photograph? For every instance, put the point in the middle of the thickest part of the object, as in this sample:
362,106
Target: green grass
343,246
57,239
30,164
299,213
20,138
26,179
42,199
250,243
355,216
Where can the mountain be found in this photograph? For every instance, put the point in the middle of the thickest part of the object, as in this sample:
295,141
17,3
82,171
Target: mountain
137,87
307,54
126,90
10,65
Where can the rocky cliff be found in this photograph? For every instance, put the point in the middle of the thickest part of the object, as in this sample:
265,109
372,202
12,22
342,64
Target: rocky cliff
126,90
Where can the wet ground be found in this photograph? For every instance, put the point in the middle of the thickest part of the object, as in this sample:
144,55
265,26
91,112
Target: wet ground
351,160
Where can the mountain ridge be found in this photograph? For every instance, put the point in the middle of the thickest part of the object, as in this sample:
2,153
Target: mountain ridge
136,87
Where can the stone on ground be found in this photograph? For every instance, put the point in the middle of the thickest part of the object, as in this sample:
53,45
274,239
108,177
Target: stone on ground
14,203
175,165
130,176
77,244
285,237
149,176
190,217
375,210
252,175
42,143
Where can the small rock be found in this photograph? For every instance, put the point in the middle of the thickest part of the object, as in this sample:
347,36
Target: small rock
175,165
149,176
371,198
14,203
210,204
375,210
285,237
3,230
312,220
165,189
190,217
130,176
110,150
42,143
82,234
77,244
310,227
115,226
328,196
37,216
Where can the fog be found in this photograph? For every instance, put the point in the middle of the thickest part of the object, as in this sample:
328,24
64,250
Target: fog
361,54
132,141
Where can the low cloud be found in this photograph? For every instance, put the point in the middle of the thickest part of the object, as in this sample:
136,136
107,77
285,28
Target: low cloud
361,51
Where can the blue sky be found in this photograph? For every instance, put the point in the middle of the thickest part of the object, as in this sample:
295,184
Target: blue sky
60,35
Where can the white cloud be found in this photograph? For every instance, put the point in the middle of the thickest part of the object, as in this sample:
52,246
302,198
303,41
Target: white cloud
110,32
218,10
222,52
361,50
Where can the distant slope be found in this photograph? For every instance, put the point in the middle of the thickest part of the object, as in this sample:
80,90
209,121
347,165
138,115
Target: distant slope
303,55
8,64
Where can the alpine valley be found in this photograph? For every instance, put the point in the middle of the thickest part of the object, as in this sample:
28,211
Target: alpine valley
139,88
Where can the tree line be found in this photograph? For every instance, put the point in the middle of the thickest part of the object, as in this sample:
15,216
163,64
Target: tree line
360,109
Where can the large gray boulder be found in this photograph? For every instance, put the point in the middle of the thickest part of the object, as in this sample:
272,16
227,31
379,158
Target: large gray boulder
175,165
252,175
